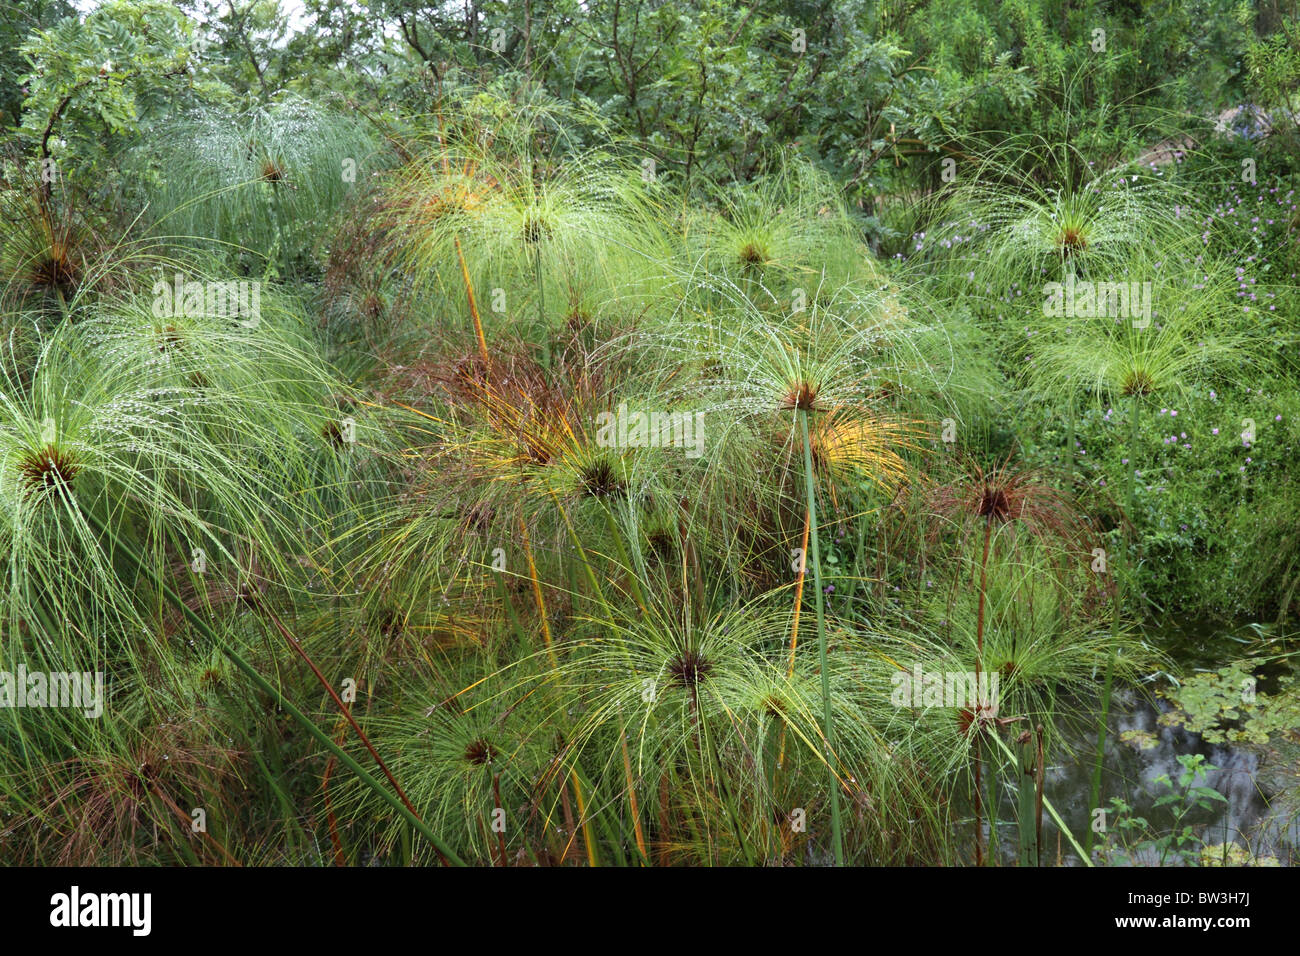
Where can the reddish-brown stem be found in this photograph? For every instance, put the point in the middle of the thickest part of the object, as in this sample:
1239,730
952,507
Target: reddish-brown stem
976,704
187,821
347,713
339,858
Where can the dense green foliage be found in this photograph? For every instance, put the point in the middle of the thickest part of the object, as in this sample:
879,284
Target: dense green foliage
325,334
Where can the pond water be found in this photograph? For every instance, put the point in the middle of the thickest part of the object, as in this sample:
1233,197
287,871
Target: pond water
1262,809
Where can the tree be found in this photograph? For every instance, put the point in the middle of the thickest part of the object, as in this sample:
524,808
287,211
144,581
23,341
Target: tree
97,76
18,18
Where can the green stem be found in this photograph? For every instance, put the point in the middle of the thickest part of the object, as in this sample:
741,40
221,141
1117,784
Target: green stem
1084,857
1135,413
829,726
992,808
1068,457
541,305
596,593
1094,799
634,583
1026,791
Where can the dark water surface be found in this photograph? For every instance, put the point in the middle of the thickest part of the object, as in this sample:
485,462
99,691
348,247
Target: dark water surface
1262,812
